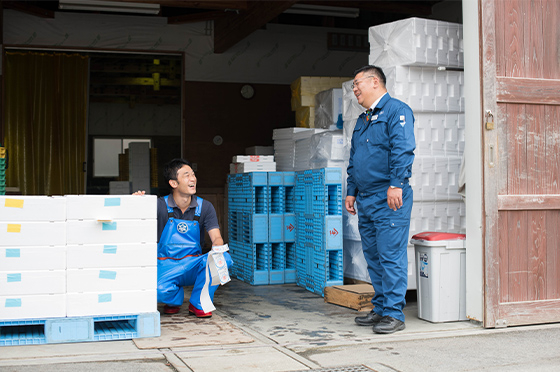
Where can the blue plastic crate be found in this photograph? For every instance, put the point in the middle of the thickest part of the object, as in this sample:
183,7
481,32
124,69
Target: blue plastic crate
277,263
79,329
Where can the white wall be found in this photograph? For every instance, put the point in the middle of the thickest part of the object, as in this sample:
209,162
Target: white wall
276,55
473,163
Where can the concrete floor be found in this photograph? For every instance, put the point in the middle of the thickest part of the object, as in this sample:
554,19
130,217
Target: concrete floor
296,330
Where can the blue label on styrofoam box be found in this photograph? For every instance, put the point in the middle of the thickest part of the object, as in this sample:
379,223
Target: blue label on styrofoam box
105,297
112,202
14,277
109,226
106,274
15,252
13,302
110,249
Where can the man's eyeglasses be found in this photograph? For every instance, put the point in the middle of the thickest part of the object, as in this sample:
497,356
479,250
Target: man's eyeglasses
355,82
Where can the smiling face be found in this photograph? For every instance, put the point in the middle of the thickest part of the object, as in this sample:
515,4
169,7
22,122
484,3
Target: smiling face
364,88
185,184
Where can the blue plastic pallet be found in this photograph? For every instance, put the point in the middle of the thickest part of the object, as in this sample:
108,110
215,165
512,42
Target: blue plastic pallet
79,329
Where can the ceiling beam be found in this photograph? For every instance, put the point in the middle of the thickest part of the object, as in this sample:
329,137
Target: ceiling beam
201,4
233,28
25,7
196,17
383,6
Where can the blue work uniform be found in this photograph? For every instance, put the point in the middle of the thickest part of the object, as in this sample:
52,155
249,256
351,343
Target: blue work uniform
381,156
181,262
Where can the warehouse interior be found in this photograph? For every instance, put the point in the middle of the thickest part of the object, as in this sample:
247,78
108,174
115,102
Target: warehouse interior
184,90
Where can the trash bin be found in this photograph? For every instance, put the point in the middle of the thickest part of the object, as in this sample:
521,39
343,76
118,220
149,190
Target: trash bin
440,276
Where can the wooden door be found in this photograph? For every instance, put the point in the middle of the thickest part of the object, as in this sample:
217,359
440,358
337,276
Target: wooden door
521,87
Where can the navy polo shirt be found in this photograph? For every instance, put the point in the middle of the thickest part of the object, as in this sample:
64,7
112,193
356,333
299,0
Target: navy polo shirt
208,219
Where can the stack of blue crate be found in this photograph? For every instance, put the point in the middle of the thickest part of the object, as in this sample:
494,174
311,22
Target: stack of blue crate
318,210
286,227
248,206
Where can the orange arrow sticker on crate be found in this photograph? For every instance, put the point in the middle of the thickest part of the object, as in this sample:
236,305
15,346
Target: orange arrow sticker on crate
14,228
13,203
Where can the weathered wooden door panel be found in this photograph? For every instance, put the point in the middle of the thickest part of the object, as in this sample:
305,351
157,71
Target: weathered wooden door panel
521,87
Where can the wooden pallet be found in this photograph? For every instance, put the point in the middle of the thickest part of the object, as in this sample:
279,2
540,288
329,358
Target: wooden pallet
353,296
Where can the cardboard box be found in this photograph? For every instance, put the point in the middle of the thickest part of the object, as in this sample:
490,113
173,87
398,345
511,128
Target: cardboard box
20,234
111,255
18,208
112,279
32,258
103,207
32,306
15,283
112,232
111,302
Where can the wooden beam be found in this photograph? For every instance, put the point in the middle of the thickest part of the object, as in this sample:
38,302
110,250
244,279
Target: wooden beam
197,17
24,7
201,4
382,6
528,91
525,202
233,28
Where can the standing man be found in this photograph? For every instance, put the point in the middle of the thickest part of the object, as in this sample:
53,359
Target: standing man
182,219
380,165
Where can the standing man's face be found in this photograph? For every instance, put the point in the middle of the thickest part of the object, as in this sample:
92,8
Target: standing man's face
363,88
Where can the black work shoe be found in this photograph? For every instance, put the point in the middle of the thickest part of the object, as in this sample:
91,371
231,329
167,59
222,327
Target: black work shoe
388,324
372,318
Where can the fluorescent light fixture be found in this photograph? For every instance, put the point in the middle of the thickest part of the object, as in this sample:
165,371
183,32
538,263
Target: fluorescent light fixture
320,10
109,6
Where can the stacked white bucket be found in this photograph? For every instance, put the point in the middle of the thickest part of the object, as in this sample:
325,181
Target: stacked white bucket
77,256
422,60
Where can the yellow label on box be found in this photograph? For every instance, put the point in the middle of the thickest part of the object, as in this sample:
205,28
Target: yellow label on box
14,203
14,228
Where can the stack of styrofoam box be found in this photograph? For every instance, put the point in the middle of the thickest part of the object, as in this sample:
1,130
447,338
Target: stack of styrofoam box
304,90
32,257
112,255
285,147
328,109
303,150
139,166
327,150
411,52
2,170
252,163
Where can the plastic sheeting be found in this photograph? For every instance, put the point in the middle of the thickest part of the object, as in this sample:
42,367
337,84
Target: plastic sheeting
328,109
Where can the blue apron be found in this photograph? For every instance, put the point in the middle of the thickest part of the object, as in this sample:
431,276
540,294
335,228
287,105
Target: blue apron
180,260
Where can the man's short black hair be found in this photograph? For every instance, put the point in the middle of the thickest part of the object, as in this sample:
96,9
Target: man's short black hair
373,70
172,167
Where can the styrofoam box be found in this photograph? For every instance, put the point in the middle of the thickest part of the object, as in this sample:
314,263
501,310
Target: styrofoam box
33,258
32,208
446,216
351,109
32,306
19,234
112,232
32,282
285,133
416,41
112,279
111,255
439,134
427,89
328,108
436,178
253,159
103,207
113,302
327,146
252,167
